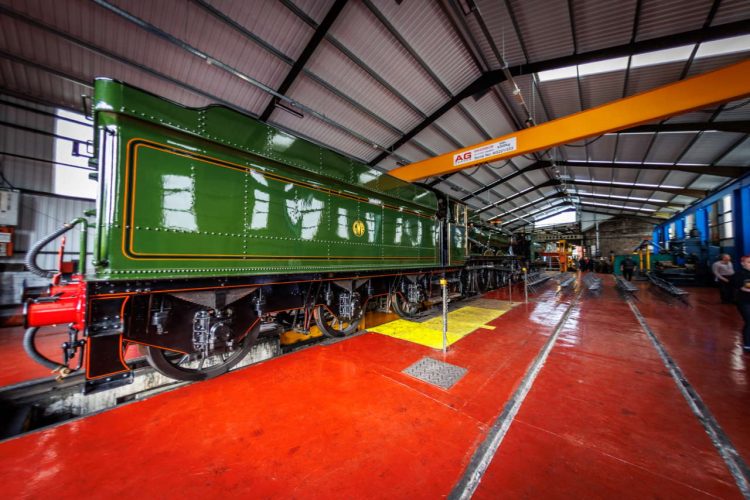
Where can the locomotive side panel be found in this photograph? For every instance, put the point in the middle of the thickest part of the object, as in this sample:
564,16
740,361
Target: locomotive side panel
188,207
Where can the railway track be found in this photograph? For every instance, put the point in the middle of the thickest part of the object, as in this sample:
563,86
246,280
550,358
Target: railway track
41,403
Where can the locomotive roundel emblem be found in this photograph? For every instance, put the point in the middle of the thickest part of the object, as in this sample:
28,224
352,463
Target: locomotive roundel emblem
358,227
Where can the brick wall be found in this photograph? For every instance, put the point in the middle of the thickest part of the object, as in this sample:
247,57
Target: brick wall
620,236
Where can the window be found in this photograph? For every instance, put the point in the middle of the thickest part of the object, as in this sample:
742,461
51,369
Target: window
713,48
713,224
689,223
726,230
568,217
72,151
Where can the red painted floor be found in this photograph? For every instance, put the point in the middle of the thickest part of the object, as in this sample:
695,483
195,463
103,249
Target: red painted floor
704,338
18,367
604,418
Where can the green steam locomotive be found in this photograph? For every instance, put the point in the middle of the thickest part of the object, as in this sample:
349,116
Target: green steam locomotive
210,225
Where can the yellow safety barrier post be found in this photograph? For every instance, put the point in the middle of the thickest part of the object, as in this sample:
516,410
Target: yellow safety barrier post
444,286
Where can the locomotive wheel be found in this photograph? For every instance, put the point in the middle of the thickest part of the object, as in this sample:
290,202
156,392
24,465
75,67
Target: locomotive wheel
332,326
404,308
194,367
484,280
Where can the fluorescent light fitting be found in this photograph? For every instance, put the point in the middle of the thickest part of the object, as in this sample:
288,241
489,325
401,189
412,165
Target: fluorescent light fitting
557,74
665,56
622,207
713,48
725,46
622,197
603,66
633,184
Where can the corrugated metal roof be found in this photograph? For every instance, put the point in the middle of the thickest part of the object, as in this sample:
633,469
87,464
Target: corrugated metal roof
695,117
505,168
686,200
545,28
561,96
460,127
735,111
602,24
602,88
32,82
484,175
465,182
709,147
668,146
490,114
434,140
310,93
332,66
536,176
603,148
519,183
646,176
623,175
362,33
194,25
708,182
704,65
632,147
601,173
498,22
324,133
270,21
425,27
665,17
574,151
676,178
529,92
731,11
411,152
650,77
44,48
739,156
316,9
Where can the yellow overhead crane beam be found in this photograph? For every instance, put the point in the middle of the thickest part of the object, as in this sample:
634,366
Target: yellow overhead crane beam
715,87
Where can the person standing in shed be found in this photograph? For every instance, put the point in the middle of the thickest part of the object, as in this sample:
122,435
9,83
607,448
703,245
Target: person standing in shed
627,266
723,271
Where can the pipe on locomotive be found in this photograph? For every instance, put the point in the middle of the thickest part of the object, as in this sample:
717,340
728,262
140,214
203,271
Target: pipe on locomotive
29,345
29,338
31,255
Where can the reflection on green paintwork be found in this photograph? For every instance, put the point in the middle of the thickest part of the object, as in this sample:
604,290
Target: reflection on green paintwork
195,198
178,203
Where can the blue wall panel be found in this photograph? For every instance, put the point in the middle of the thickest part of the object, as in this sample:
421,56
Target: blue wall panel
740,192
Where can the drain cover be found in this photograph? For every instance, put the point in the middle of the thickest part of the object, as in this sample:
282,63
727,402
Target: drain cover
436,372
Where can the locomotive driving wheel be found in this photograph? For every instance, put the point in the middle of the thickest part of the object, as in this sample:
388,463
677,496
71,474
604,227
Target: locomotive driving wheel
333,326
198,366
404,308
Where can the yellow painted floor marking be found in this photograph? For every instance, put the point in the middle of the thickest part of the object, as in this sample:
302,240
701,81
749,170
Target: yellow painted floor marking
461,322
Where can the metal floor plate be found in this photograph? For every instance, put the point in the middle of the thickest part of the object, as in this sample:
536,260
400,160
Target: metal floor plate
435,372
